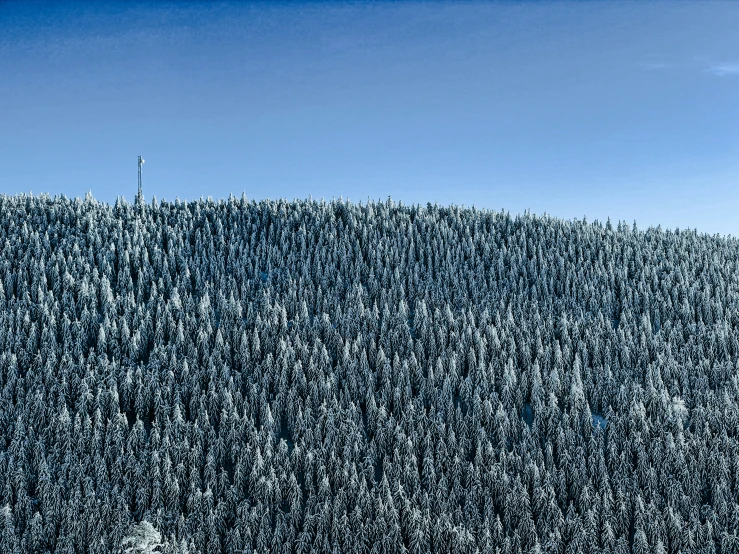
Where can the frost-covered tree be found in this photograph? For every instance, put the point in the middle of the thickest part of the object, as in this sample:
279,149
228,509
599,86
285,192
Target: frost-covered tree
142,538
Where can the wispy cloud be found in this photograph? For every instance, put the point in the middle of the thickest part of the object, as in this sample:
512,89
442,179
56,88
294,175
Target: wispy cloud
654,65
718,69
723,69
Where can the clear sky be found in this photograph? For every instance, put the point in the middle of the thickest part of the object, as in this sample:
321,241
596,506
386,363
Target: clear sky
596,109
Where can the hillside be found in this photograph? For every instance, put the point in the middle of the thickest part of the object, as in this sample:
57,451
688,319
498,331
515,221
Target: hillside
328,377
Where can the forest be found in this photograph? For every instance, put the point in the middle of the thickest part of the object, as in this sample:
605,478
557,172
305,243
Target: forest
308,376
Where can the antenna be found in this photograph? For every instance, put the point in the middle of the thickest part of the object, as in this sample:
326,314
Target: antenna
140,196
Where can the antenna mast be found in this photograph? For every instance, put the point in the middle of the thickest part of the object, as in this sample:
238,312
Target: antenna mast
140,196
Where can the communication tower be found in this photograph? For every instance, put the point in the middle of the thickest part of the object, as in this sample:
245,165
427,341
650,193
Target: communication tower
140,195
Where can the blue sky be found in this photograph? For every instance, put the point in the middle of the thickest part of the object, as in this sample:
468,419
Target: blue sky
620,109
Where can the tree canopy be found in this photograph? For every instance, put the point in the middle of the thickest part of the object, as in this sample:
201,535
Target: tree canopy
312,376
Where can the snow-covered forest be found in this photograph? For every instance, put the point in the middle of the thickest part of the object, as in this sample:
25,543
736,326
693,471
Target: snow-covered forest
307,376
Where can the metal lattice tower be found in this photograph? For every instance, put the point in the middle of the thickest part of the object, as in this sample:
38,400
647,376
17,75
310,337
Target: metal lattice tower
140,195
